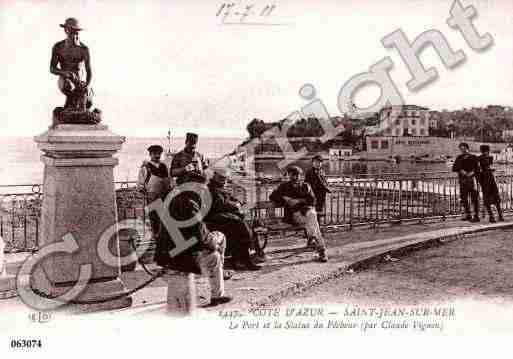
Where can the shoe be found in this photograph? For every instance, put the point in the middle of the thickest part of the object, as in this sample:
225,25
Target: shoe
219,300
262,258
492,220
227,274
323,257
311,244
467,218
246,265
474,219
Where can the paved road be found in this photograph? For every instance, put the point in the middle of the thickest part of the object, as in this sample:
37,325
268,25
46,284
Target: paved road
477,267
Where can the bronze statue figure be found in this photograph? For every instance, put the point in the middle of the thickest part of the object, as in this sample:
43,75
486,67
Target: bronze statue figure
69,58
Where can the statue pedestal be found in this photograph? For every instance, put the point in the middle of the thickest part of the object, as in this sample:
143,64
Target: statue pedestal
79,200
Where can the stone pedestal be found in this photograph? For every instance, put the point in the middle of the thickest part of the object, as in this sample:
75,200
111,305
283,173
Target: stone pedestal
79,200
7,286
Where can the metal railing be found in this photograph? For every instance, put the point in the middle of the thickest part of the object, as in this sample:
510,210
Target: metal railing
352,202
20,212
357,201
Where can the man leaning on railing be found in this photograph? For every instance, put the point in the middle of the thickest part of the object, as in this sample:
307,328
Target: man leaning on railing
298,199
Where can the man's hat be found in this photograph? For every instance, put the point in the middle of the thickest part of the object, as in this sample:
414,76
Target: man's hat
464,144
317,158
155,148
484,148
71,23
191,137
294,170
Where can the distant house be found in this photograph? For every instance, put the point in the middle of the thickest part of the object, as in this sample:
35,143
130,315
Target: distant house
339,151
405,120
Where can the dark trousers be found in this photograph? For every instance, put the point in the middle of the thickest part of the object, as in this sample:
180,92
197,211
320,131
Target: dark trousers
490,192
468,194
154,224
239,238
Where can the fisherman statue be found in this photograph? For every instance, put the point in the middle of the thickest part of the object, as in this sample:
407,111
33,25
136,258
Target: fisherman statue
70,58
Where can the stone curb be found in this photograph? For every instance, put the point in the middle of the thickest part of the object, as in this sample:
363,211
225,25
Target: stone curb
398,249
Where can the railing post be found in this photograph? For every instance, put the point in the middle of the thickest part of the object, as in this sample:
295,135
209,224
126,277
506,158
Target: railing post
351,202
400,200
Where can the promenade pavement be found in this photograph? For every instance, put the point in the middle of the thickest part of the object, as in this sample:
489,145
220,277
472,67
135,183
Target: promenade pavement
292,269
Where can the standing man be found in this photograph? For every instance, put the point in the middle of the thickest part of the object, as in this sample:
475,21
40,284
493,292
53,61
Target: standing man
298,199
189,165
467,167
226,216
153,182
316,178
488,184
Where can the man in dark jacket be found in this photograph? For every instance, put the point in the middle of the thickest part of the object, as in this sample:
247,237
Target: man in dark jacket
488,184
298,199
467,167
187,166
225,216
316,178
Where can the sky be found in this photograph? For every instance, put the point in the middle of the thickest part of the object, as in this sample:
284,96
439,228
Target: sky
160,65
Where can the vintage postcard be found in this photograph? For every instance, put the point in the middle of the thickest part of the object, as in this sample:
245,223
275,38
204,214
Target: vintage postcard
308,175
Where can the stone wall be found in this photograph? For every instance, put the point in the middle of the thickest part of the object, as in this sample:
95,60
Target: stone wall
386,146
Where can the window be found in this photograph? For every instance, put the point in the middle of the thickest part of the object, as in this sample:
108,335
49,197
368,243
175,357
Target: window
413,122
414,131
422,121
405,122
397,122
388,131
374,144
384,144
398,132
422,132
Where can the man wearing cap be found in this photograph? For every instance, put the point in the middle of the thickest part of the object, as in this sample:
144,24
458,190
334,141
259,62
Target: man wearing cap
467,167
298,199
153,181
489,188
188,165
68,56
225,216
316,178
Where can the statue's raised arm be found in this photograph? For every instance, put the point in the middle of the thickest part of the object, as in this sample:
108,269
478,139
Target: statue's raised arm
71,61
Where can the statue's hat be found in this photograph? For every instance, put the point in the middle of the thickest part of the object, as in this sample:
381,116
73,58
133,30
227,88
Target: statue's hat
191,137
71,23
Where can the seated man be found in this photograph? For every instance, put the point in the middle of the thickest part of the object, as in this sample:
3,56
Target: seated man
206,257
298,200
225,216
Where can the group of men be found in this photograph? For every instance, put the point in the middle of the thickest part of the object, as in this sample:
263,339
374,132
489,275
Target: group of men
473,170
223,230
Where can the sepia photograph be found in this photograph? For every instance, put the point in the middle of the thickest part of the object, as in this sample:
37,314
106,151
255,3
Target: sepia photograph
329,177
